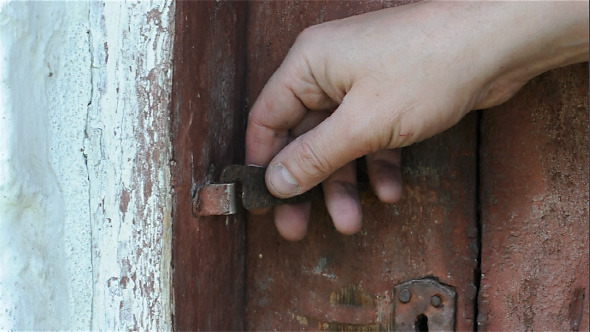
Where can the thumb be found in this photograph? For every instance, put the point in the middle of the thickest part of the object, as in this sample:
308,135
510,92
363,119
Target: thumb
313,156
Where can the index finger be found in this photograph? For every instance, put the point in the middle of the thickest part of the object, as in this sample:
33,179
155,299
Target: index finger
283,103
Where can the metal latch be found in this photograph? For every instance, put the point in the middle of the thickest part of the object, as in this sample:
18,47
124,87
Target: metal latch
424,305
222,198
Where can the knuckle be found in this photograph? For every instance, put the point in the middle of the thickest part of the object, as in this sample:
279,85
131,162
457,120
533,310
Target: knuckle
313,160
307,34
367,136
254,117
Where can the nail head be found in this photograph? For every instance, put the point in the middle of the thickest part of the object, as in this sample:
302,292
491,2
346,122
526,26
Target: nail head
404,295
436,301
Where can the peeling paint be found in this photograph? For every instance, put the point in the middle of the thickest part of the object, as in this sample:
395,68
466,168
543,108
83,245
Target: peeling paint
131,48
85,204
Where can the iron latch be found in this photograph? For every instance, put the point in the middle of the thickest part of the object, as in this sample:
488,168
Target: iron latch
222,198
424,305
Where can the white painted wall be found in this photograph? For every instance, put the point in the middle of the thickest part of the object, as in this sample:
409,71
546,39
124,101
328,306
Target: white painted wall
85,205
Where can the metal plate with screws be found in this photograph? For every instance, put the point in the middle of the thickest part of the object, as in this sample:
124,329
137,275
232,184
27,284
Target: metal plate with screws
424,305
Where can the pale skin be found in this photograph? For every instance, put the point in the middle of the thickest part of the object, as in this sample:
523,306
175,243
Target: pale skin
370,84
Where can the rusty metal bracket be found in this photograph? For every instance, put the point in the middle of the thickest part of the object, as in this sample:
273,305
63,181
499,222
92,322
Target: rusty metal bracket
215,199
220,198
424,305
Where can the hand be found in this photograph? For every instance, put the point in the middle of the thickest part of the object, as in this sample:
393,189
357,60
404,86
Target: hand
370,84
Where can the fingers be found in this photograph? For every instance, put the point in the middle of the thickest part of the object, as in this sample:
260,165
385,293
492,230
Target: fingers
310,120
342,200
291,220
281,106
275,111
341,138
384,169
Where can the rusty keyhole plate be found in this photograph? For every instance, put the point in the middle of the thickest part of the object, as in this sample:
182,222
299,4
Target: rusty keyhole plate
424,304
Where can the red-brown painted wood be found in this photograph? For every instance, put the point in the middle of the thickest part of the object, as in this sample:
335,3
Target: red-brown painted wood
332,281
534,199
208,124
534,190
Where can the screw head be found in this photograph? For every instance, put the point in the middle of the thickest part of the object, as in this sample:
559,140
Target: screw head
404,295
436,301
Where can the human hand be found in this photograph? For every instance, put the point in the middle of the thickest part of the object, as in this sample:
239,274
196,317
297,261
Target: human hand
370,84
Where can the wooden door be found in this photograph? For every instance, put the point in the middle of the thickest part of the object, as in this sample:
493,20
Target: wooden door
332,281
236,273
534,206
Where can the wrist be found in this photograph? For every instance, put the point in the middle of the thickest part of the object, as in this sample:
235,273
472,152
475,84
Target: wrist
532,38
555,34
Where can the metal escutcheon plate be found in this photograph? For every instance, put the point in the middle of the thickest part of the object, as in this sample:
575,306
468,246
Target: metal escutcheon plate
424,305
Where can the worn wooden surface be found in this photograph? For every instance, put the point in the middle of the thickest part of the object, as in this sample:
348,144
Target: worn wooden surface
127,151
208,124
332,281
534,199
534,190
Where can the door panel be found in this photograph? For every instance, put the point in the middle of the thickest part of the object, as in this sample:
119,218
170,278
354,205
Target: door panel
332,281
208,124
534,190
232,275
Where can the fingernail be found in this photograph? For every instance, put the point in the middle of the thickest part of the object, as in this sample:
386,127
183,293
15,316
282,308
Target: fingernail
282,181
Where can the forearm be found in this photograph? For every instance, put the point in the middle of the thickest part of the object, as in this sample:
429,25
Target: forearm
530,38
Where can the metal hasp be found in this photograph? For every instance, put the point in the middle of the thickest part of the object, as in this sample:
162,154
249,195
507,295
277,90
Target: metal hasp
215,200
424,305
220,199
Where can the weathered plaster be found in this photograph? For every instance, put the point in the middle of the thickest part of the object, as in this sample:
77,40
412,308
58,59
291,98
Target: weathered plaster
128,153
85,229
36,279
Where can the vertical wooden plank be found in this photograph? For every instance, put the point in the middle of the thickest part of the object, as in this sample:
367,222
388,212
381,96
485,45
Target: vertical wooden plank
208,127
127,151
534,190
331,281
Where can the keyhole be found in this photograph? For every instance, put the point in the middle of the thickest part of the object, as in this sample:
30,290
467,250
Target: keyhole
421,323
